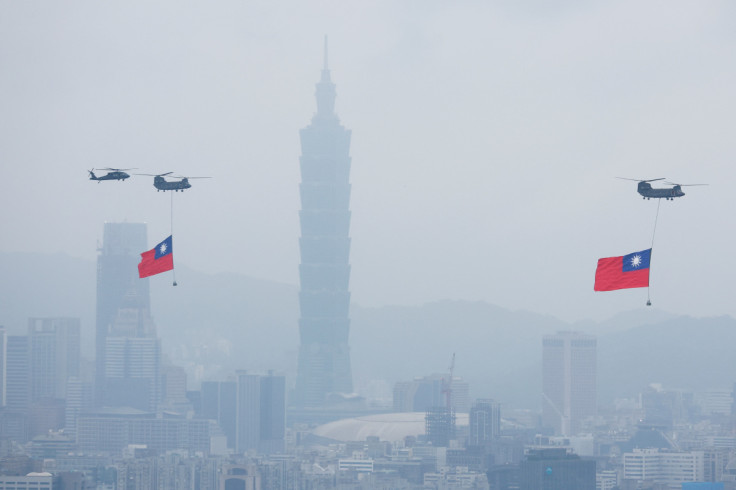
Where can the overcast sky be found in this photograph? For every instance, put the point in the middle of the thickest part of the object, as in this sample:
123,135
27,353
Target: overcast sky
486,138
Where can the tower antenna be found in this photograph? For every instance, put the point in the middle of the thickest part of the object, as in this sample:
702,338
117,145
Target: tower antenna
326,66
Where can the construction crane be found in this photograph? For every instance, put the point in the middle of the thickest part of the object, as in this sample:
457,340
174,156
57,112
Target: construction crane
447,385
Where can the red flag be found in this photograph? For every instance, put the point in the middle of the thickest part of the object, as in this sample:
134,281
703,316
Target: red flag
159,259
627,271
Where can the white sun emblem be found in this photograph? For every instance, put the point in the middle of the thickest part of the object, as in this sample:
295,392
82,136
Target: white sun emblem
636,261
162,248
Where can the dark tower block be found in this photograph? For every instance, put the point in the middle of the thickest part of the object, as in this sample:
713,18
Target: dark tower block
324,355
117,279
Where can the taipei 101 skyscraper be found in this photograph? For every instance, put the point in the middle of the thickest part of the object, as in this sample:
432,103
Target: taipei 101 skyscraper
324,273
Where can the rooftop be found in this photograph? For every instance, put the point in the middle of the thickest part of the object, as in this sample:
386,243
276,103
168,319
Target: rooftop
387,427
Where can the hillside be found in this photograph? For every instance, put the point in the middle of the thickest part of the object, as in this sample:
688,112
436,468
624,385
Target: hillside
214,324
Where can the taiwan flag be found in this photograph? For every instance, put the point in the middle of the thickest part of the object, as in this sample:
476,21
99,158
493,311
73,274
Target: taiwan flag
628,271
157,260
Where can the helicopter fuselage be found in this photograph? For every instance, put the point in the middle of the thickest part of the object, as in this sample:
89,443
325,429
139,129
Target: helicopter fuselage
648,192
162,184
109,176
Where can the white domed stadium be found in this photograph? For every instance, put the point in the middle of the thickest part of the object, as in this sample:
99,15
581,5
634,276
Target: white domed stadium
387,427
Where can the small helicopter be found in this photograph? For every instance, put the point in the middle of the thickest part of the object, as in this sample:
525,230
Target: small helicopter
162,184
113,174
648,192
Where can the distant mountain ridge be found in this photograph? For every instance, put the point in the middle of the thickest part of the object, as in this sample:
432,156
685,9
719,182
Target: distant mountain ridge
220,322
38,285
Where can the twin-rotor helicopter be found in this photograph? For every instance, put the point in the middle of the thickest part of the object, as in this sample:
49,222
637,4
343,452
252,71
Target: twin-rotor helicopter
669,193
162,184
159,182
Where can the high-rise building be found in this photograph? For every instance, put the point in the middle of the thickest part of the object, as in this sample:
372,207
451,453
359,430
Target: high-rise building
17,373
3,347
219,403
715,402
79,398
420,394
128,350
14,417
28,482
54,345
485,422
133,372
111,430
248,412
273,414
324,273
45,415
117,277
568,381
556,469
174,385
671,468
261,413
53,358
439,425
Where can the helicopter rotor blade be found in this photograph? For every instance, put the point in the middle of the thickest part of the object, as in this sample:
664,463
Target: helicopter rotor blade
155,175
185,177
683,185
641,180
118,169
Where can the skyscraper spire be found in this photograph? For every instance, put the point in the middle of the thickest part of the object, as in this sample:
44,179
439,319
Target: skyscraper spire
325,92
326,68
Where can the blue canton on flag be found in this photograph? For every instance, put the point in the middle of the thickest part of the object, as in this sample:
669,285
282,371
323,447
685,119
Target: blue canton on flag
637,260
164,248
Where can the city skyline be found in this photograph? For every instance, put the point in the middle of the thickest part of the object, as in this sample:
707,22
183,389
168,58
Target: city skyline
260,411
329,273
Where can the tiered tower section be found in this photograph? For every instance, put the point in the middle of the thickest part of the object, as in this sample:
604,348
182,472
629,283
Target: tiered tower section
324,355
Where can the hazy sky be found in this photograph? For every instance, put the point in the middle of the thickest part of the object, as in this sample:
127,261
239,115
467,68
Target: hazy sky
486,138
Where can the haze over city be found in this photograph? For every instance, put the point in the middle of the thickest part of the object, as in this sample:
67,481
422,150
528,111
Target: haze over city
486,139
425,250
